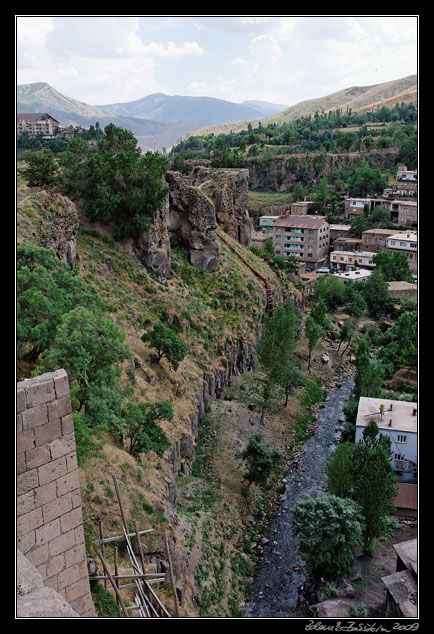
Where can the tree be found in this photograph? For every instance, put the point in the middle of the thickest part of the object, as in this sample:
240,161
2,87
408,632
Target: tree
40,169
298,192
376,293
329,533
321,194
90,348
167,344
366,181
373,482
346,333
359,224
313,332
140,423
339,476
394,266
369,374
261,460
278,340
47,289
290,378
331,290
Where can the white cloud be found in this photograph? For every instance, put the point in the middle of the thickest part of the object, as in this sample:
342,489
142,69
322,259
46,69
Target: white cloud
239,60
266,48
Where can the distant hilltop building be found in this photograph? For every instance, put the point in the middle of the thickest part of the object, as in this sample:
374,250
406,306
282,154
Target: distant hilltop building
36,123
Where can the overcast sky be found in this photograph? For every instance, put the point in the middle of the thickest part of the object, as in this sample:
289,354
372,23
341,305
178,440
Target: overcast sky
282,59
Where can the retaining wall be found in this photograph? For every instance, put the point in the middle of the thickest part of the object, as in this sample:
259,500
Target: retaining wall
49,516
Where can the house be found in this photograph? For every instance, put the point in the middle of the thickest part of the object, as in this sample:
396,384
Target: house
339,231
355,206
300,208
404,242
258,238
353,276
401,586
306,238
406,182
266,222
374,240
348,244
36,123
398,420
350,259
402,289
406,500
404,212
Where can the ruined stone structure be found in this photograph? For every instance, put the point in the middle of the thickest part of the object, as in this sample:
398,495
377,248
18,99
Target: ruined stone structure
50,531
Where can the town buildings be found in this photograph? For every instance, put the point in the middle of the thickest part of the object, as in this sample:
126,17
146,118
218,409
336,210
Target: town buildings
402,289
374,240
398,420
349,259
300,208
306,238
361,275
404,242
406,182
36,123
348,244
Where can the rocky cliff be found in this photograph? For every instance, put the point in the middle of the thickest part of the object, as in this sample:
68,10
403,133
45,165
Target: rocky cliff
195,206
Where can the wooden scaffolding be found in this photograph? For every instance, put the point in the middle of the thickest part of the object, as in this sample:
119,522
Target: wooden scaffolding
146,602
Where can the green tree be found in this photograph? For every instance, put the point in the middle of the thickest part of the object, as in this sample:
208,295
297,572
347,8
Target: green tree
140,423
394,266
359,224
298,192
260,459
40,169
278,341
90,348
376,293
346,334
329,532
366,181
331,290
339,475
369,373
46,290
374,482
290,378
321,194
167,344
313,332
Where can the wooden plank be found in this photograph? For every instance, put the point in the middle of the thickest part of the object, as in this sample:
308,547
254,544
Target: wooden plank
120,538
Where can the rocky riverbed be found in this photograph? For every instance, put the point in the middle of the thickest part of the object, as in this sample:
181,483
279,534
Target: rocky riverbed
281,568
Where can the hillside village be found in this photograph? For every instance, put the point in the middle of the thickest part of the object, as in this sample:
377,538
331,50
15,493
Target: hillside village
213,268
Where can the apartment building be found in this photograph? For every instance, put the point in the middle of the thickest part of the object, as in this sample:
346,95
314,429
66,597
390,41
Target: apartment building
404,242
36,123
305,237
349,259
374,240
398,420
406,182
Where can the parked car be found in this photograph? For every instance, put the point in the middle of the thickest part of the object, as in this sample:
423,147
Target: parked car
324,270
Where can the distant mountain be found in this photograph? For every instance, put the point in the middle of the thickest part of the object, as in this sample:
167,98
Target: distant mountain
160,107
41,97
358,98
265,108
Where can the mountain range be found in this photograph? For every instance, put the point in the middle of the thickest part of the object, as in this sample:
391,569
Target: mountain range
159,121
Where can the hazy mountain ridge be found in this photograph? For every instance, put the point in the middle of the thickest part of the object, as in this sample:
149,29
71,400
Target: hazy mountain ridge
161,107
359,98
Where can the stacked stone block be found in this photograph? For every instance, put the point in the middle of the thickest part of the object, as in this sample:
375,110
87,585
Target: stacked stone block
49,516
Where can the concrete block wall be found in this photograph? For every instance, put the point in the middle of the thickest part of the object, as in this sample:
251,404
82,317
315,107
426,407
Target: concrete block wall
50,530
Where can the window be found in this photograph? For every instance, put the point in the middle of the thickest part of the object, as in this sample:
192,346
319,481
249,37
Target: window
309,255
402,438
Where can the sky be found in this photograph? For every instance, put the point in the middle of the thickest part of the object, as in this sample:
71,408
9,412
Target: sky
280,59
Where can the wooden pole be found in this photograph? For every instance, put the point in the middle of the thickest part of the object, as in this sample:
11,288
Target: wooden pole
172,578
101,535
119,538
139,546
115,588
116,572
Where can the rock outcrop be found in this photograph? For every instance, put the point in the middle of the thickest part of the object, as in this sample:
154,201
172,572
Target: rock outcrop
192,222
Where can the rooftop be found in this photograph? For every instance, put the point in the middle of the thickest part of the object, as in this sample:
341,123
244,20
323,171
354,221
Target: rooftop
402,286
340,227
33,116
403,589
404,235
302,222
407,551
353,275
386,232
402,414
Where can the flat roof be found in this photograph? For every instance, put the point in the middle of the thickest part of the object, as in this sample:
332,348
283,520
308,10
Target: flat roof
383,231
340,227
353,275
401,414
402,286
403,589
302,222
356,254
404,235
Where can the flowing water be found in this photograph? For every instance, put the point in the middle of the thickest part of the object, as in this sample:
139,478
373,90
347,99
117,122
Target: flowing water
280,571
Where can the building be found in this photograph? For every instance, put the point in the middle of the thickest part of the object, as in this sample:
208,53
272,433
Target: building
401,586
406,182
36,123
258,238
404,212
266,222
300,208
350,259
348,244
402,289
404,242
398,420
306,238
355,206
374,240
354,276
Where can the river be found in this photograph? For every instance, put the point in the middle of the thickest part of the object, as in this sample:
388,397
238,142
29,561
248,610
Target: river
274,591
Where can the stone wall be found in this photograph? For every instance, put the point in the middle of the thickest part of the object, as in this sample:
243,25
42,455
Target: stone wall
50,530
